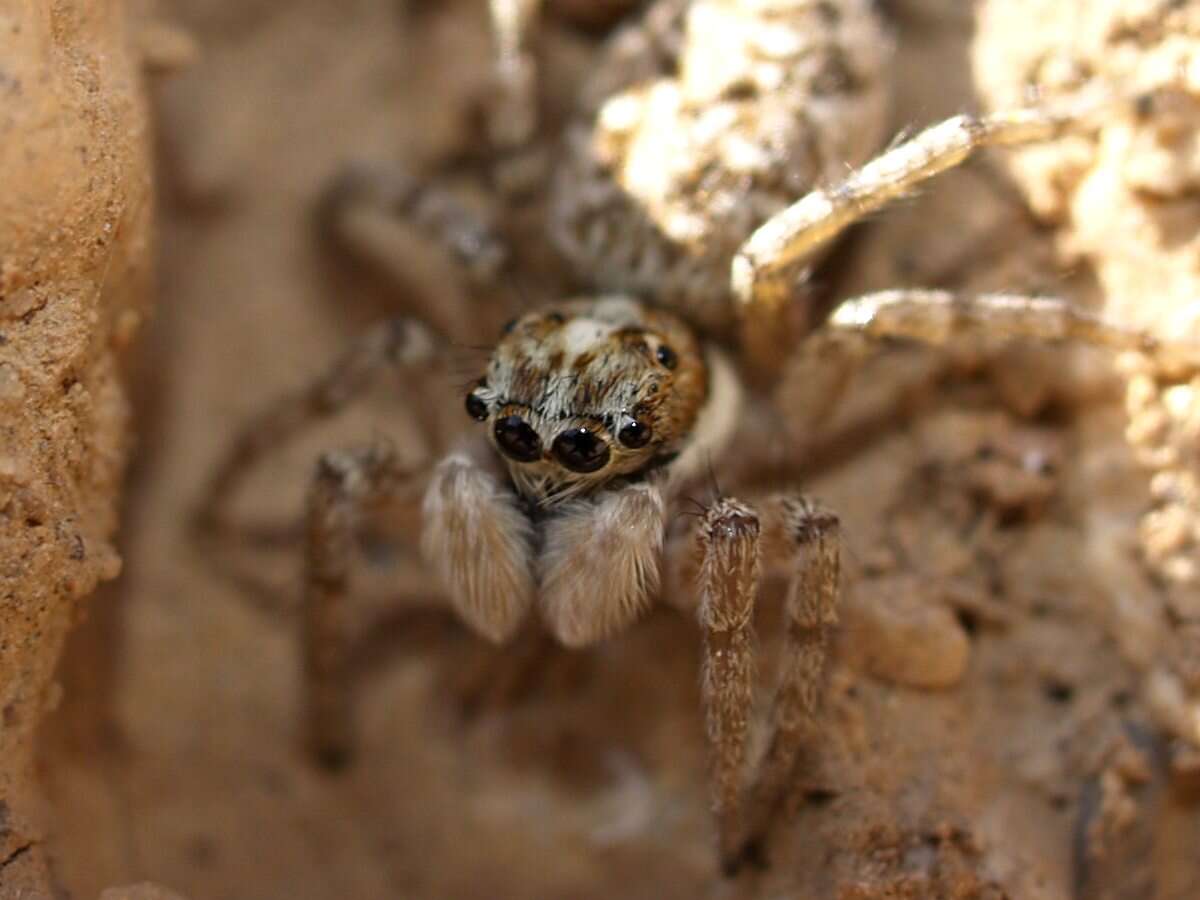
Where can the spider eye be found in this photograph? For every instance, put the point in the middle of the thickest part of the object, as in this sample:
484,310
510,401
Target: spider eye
666,356
476,408
517,439
580,450
634,434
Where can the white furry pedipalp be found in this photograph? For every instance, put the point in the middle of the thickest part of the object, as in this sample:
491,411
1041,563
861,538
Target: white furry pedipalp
600,563
478,541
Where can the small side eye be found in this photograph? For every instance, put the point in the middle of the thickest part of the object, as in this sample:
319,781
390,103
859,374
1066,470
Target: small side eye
476,408
666,356
634,435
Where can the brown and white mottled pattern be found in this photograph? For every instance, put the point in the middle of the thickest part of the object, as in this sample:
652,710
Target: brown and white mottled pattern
596,365
806,544
728,543
715,116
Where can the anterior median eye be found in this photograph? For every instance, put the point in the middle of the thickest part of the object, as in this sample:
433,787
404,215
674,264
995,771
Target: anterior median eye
580,450
634,434
666,356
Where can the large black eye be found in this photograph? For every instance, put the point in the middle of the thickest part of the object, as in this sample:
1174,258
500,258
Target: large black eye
517,439
476,408
667,356
634,434
580,450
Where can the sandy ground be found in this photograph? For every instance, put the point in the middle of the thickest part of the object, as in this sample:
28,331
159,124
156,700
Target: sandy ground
174,756
75,259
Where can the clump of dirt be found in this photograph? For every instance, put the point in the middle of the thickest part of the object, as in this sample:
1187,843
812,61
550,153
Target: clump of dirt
1122,191
75,217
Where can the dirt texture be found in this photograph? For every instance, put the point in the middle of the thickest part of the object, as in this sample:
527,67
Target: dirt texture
1124,192
990,730
74,258
1123,198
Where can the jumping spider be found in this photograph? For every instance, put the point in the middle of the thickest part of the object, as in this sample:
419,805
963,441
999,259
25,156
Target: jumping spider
670,199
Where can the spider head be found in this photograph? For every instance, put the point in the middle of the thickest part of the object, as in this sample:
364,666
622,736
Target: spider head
583,392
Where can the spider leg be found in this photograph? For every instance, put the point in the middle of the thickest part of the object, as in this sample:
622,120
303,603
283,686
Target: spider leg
805,537
398,344
764,269
474,535
512,118
371,212
828,357
938,317
508,675
728,544
345,484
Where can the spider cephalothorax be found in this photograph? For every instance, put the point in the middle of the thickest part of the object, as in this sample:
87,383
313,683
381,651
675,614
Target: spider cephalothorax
588,391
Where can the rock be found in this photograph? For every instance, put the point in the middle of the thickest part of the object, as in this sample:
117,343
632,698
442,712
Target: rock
74,239
897,631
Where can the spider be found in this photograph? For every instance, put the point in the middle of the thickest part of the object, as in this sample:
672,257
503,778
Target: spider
672,197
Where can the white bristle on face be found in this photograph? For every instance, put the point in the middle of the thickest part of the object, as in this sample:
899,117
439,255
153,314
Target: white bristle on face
580,336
